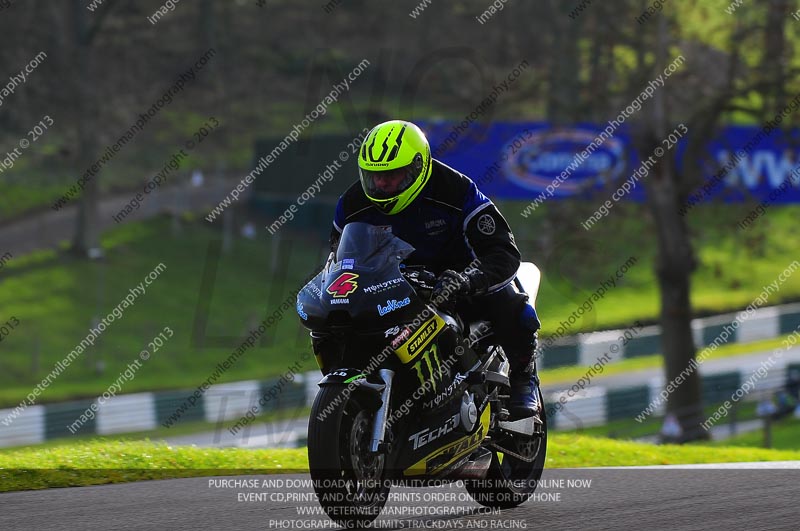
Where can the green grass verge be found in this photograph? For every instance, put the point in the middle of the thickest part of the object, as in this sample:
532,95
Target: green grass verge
101,462
628,428
785,436
567,451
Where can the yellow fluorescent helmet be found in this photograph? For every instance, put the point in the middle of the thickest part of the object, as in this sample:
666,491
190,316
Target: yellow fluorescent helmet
394,164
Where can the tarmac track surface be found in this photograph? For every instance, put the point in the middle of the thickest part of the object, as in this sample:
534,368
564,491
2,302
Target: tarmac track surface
662,498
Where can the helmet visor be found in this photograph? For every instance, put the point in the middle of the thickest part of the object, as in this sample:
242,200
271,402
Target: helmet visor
388,184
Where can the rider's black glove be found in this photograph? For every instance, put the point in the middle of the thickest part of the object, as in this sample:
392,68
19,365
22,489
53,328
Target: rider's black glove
452,285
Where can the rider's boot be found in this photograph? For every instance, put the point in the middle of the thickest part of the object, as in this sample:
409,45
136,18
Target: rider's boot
524,401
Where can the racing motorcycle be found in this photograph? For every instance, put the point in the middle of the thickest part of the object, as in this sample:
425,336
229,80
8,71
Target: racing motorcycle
411,394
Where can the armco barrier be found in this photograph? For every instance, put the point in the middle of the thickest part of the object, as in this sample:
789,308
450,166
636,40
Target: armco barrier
231,400
169,401
720,387
126,413
626,402
59,416
28,428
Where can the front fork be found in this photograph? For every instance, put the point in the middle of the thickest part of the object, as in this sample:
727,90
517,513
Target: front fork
382,414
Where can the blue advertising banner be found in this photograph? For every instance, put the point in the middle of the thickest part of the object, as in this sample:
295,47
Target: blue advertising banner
520,160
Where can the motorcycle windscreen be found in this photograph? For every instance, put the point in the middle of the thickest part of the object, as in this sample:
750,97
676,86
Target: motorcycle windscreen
369,245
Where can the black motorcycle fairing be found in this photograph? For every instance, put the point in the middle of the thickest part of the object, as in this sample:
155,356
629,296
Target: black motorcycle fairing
436,443
309,305
427,425
364,287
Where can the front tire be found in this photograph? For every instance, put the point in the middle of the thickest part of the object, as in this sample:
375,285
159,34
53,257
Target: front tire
349,481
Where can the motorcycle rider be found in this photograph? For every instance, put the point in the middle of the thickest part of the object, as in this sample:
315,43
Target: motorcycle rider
451,224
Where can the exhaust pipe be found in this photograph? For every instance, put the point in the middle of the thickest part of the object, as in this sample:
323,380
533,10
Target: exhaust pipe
478,466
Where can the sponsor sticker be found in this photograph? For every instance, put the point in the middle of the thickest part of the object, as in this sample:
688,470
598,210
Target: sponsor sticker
420,339
401,336
383,286
344,285
429,435
393,331
393,305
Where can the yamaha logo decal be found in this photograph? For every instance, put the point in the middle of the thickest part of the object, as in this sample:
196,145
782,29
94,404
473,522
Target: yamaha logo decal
486,224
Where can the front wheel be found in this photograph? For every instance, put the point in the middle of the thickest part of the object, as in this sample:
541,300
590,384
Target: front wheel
349,481
516,468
